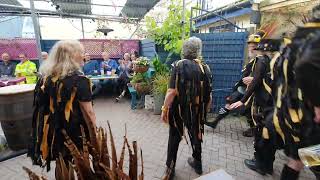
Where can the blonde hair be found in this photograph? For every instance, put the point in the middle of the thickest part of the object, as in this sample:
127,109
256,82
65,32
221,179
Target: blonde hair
61,61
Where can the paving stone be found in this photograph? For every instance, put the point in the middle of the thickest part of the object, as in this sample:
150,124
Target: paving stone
223,148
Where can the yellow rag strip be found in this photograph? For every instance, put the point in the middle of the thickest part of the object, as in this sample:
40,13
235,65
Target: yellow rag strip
294,115
69,104
267,87
252,113
300,94
51,105
59,93
285,72
265,133
287,123
279,96
277,125
44,142
296,139
272,63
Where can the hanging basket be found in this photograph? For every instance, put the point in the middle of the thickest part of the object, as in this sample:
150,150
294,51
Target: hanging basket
141,88
140,68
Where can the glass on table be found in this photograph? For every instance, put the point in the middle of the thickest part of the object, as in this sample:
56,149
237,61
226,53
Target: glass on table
113,72
4,77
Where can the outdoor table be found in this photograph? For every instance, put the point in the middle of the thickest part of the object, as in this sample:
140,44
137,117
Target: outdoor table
8,81
16,112
103,77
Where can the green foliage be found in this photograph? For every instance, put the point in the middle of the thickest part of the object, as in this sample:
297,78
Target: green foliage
160,84
159,67
140,78
169,34
161,77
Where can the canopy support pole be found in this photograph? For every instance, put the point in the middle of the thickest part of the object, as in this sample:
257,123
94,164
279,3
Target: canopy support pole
36,28
82,28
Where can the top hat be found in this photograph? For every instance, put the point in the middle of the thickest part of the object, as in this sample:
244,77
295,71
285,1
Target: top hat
269,45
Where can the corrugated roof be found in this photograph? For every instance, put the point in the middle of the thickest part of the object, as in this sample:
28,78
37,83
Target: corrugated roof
12,2
74,6
137,8
9,2
121,9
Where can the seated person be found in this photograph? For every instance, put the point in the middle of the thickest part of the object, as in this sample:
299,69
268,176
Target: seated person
26,69
44,55
7,67
108,64
91,67
111,66
125,69
134,57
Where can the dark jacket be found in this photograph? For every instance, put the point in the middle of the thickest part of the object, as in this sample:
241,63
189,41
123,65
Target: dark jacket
90,67
7,69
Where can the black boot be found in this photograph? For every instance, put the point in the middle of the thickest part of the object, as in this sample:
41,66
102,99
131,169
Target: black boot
169,174
253,165
269,167
289,173
196,165
223,112
249,132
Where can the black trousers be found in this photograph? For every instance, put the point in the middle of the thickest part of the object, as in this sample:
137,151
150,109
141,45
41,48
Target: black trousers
175,137
264,150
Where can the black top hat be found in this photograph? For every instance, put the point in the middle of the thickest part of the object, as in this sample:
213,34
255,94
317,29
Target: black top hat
269,45
256,37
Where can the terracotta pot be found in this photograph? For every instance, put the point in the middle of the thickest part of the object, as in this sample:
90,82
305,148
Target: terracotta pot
140,68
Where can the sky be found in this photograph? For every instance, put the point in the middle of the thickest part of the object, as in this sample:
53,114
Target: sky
213,4
51,27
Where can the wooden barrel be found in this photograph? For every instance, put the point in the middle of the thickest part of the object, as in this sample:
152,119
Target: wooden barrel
16,114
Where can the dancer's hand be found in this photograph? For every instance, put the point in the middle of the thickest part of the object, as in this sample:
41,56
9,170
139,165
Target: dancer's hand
236,105
317,114
164,116
247,80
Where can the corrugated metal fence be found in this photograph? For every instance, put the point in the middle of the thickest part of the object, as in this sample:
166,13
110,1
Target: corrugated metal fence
224,53
147,48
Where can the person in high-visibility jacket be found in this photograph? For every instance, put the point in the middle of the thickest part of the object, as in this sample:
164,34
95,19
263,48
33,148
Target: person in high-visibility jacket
27,69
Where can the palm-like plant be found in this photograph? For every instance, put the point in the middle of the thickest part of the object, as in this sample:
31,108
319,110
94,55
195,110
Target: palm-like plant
94,160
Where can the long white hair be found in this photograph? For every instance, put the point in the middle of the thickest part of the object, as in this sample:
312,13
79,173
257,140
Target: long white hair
61,61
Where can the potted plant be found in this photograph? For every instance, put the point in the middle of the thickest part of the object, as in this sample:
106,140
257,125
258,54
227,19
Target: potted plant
141,83
159,89
160,84
142,65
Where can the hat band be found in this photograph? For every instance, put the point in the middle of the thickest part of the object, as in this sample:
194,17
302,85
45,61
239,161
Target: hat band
312,25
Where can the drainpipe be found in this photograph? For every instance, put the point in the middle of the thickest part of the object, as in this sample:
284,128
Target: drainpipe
256,12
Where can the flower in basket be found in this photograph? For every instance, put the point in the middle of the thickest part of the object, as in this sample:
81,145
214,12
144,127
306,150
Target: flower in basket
142,65
143,61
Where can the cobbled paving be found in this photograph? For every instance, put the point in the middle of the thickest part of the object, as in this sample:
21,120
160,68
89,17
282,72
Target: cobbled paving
224,148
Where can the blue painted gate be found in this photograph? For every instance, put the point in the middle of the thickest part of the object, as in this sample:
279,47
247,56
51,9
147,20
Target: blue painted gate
224,52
